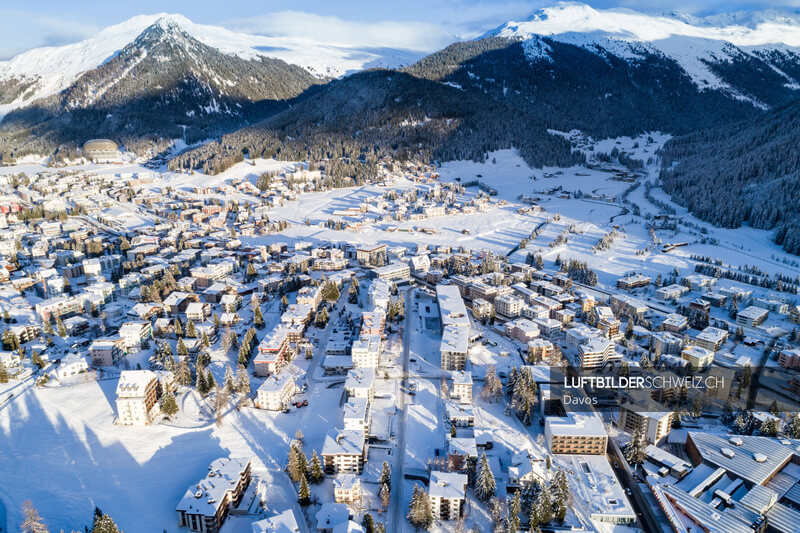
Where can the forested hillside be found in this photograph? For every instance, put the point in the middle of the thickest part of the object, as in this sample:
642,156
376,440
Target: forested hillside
479,96
165,84
745,173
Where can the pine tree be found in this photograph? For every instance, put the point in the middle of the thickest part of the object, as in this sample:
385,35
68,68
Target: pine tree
316,474
191,331
368,523
184,375
31,522
205,341
210,381
242,381
385,494
635,450
298,464
169,406
386,474
183,351
201,383
485,485
62,331
419,510
303,493
3,373
792,426
258,318
513,522
230,383
104,524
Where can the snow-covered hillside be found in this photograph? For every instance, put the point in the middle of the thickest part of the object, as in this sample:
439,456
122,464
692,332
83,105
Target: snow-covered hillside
692,42
52,69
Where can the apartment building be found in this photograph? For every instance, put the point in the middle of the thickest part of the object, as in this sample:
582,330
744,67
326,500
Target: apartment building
699,358
447,493
356,414
276,392
461,389
360,383
656,425
206,504
108,351
581,434
137,397
366,351
752,316
596,352
271,352
134,333
711,338
508,306
345,452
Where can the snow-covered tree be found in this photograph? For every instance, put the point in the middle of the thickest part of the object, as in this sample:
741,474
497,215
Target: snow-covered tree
31,521
420,513
303,493
634,451
169,406
104,524
230,382
485,484
315,474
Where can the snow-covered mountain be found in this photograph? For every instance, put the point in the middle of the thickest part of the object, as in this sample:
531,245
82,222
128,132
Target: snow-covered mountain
46,71
702,47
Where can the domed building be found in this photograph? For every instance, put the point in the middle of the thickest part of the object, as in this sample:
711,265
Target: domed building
100,150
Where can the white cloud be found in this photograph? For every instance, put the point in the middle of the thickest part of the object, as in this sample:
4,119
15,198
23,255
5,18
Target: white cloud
417,36
23,30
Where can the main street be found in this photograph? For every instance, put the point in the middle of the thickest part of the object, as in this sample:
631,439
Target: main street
398,498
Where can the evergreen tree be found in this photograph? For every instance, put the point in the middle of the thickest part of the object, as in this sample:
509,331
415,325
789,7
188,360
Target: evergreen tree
792,426
258,318
420,513
31,521
316,474
303,493
205,341
210,381
485,485
242,381
184,374
368,523
191,331
513,521
201,383
62,331
169,406
230,383
3,373
330,292
183,351
385,494
104,524
298,464
635,450
386,474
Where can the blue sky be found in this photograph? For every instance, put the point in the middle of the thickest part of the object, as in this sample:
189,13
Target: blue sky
55,22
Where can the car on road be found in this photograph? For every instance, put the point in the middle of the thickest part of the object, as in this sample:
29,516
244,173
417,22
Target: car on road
616,465
301,403
628,491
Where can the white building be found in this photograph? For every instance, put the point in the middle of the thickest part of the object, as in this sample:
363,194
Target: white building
360,383
276,392
462,386
137,397
447,492
366,352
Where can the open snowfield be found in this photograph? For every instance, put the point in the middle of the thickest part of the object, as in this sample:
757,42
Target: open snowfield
60,448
